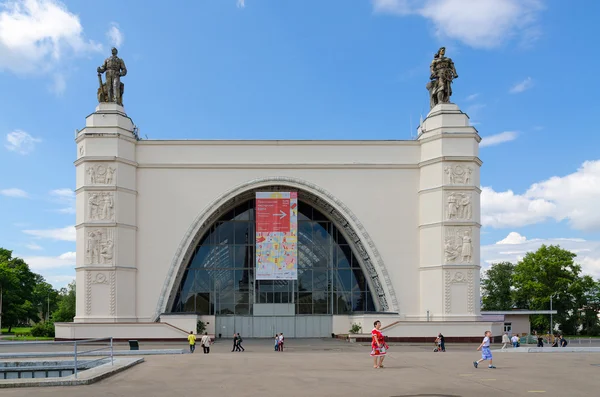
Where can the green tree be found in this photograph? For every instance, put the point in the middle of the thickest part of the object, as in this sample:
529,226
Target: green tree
549,272
590,306
45,297
496,287
66,305
17,283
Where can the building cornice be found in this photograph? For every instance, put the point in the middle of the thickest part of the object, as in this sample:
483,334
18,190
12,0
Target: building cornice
114,159
463,159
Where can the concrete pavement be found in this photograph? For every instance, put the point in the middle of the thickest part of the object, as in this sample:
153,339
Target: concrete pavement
335,368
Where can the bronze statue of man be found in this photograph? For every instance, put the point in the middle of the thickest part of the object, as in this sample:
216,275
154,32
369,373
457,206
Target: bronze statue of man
115,69
442,73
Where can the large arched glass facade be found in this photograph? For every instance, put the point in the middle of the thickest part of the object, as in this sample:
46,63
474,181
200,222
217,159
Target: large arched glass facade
219,278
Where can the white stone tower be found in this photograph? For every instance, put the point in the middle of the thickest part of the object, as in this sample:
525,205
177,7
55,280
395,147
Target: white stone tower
106,217
449,218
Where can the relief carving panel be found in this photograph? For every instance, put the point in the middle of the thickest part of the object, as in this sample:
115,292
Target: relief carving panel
100,174
458,174
99,249
458,244
101,206
459,206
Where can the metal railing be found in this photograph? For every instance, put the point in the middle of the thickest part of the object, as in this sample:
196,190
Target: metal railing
108,349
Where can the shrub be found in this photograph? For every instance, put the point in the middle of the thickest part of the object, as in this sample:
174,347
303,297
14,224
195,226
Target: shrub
200,327
355,329
43,330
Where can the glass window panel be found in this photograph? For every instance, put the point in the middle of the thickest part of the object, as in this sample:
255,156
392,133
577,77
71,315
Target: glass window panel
243,211
321,308
340,239
370,303
305,230
226,308
341,302
190,304
305,280
305,297
225,232
320,280
261,297
318,215
358,301
304,309
270,297
286,297
265,285
323,256
242,280
242,233
203,303
200,257
340,259
201,281
359,280
304,211
343,279
282,285
242,309
321,233
241,256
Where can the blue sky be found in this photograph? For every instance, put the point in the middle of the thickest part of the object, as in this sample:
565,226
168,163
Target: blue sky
282,69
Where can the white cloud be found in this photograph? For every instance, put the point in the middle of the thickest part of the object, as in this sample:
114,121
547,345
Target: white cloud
241,3
477,23
34,247
114,34
60,281
497,139
20,142
513,238
36,36
522,86
37,263
573,197
514,247
14,192
66,197
62,234
472,97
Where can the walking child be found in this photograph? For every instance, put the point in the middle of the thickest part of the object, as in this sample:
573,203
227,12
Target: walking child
486,354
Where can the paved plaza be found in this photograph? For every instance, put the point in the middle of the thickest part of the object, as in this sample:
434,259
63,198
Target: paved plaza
336,368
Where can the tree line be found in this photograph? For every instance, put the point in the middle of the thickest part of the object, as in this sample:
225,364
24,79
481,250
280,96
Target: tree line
28,299
549,273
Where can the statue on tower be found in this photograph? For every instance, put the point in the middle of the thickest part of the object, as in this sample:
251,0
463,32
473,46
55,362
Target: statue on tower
442,73
112,90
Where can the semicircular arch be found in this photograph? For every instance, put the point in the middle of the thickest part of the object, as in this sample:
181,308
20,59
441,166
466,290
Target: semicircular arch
371,261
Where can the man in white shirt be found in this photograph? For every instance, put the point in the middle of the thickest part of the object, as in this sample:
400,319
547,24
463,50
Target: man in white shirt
205,342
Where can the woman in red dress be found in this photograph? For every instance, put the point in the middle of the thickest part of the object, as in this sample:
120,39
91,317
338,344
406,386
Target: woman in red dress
378,345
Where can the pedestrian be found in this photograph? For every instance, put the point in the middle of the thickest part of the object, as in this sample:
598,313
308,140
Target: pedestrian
239,342
205,342
486,354
378,345
235,344
442,342
540,340
515,340
505,340
563,342
281,340
192,341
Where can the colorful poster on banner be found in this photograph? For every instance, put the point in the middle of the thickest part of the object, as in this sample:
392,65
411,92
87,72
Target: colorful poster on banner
277,236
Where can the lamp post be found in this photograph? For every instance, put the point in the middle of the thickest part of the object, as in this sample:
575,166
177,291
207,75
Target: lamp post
551,325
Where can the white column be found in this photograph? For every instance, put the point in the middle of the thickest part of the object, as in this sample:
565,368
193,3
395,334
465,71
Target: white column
106,217
449,215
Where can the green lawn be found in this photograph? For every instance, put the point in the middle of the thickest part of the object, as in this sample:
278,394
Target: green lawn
15,330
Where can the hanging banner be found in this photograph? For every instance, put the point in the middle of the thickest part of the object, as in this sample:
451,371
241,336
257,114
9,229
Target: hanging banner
277,236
